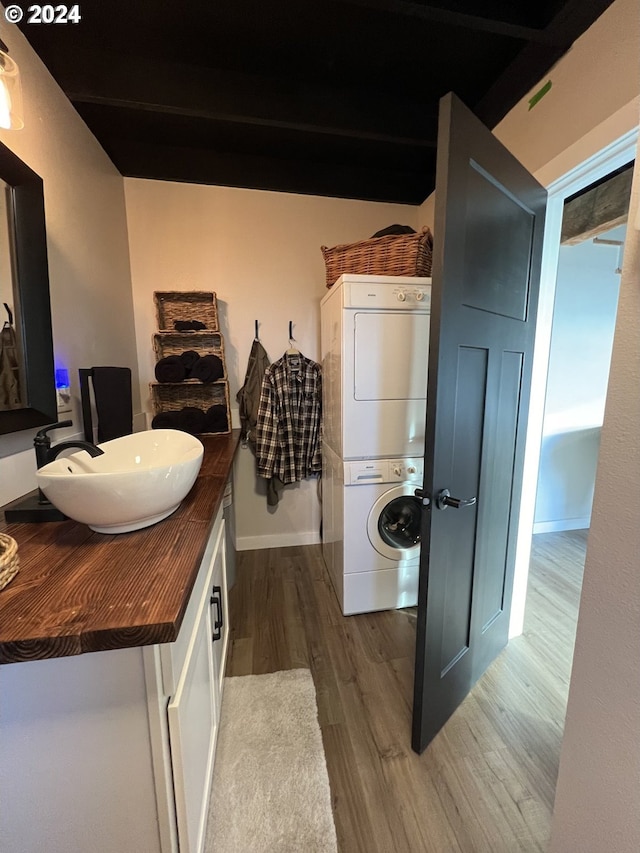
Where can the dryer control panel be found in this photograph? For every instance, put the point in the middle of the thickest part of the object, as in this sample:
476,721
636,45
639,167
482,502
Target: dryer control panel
383,292
367,471
404,297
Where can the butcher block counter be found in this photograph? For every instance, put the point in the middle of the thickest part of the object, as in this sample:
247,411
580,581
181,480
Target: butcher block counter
78,591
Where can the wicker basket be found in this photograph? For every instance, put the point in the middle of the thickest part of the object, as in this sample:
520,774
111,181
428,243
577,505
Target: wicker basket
394,254
172,397
175,343
8,559
172,305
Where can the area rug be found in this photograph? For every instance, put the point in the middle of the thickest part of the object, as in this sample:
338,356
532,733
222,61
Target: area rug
270,788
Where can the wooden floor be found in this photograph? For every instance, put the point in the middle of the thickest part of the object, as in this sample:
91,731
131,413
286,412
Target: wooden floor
487,781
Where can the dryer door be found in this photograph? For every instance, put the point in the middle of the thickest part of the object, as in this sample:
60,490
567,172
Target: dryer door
385,383
394,523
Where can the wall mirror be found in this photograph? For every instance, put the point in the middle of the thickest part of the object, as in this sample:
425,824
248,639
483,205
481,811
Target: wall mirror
27,386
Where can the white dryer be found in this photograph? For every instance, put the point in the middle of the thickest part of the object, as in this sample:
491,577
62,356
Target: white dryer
371,531
375,348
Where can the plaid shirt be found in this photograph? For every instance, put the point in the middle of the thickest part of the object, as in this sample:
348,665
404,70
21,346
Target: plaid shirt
288,430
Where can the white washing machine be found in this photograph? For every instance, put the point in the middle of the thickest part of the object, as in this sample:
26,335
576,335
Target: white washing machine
371,531
375,348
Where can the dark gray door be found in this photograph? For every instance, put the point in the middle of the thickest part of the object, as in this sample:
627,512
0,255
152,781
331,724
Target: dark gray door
488,232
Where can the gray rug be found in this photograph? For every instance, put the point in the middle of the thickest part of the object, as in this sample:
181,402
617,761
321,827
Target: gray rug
270,788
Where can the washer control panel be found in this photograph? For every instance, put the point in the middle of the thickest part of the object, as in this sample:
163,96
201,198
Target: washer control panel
367,471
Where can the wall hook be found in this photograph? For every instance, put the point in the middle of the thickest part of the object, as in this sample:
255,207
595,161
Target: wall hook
293,350
257,336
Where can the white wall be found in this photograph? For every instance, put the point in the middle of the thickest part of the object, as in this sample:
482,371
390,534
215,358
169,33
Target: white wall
260,252
584,314
90,281
596,805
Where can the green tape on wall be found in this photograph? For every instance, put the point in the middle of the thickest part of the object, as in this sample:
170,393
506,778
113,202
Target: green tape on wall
540,94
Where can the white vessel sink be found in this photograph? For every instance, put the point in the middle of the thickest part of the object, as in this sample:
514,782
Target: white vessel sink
137,481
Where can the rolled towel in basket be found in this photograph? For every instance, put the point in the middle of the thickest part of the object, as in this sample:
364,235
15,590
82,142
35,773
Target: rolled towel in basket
208,369
165,420
191,419
188,359
170,369
188,325
216,419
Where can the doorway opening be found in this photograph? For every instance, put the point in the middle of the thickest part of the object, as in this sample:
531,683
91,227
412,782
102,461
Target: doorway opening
615,159
584,316
577,322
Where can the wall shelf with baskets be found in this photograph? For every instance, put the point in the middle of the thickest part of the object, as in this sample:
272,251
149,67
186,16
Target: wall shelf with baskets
176,404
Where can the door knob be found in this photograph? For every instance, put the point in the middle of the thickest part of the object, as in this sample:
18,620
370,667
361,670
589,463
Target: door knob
444,500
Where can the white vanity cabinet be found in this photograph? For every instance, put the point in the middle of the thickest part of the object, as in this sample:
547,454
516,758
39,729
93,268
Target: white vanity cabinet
192,671
113,751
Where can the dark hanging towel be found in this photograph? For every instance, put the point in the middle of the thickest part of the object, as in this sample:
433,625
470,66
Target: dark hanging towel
9,370
112,392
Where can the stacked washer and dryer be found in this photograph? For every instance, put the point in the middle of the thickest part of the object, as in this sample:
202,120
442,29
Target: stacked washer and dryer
375,346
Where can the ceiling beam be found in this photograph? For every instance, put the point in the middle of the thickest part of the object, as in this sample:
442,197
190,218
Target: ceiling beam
79,98
169,88
597,210
204,166
437,14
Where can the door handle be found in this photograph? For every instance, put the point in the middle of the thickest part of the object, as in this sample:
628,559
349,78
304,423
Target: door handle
216,599
426,500
444,500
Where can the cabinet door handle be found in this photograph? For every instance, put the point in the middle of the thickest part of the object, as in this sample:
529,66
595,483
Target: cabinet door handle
216,598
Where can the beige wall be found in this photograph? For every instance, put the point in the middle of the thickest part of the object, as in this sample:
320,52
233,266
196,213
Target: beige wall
593,98
599,782
260,253
90,280
598,76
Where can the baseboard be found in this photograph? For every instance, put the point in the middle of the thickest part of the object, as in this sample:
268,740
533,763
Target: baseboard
277,540
561,524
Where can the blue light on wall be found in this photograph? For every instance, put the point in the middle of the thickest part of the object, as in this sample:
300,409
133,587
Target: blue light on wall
63,391
62,377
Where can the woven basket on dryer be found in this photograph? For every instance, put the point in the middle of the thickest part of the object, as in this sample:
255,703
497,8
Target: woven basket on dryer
8,559
393,254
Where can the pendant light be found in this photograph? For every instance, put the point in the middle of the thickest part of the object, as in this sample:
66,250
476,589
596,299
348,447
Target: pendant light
10,92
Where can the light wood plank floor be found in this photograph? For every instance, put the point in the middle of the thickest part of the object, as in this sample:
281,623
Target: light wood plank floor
487,781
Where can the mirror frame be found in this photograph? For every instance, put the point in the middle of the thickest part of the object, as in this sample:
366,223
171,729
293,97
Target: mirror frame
31,294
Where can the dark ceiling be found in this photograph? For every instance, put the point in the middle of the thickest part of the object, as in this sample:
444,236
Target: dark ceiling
330,97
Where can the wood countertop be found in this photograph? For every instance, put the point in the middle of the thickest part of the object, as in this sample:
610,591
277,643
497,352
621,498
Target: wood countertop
79,591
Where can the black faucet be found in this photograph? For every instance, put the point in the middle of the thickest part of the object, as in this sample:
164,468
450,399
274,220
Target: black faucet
91,449
45,453
35,506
